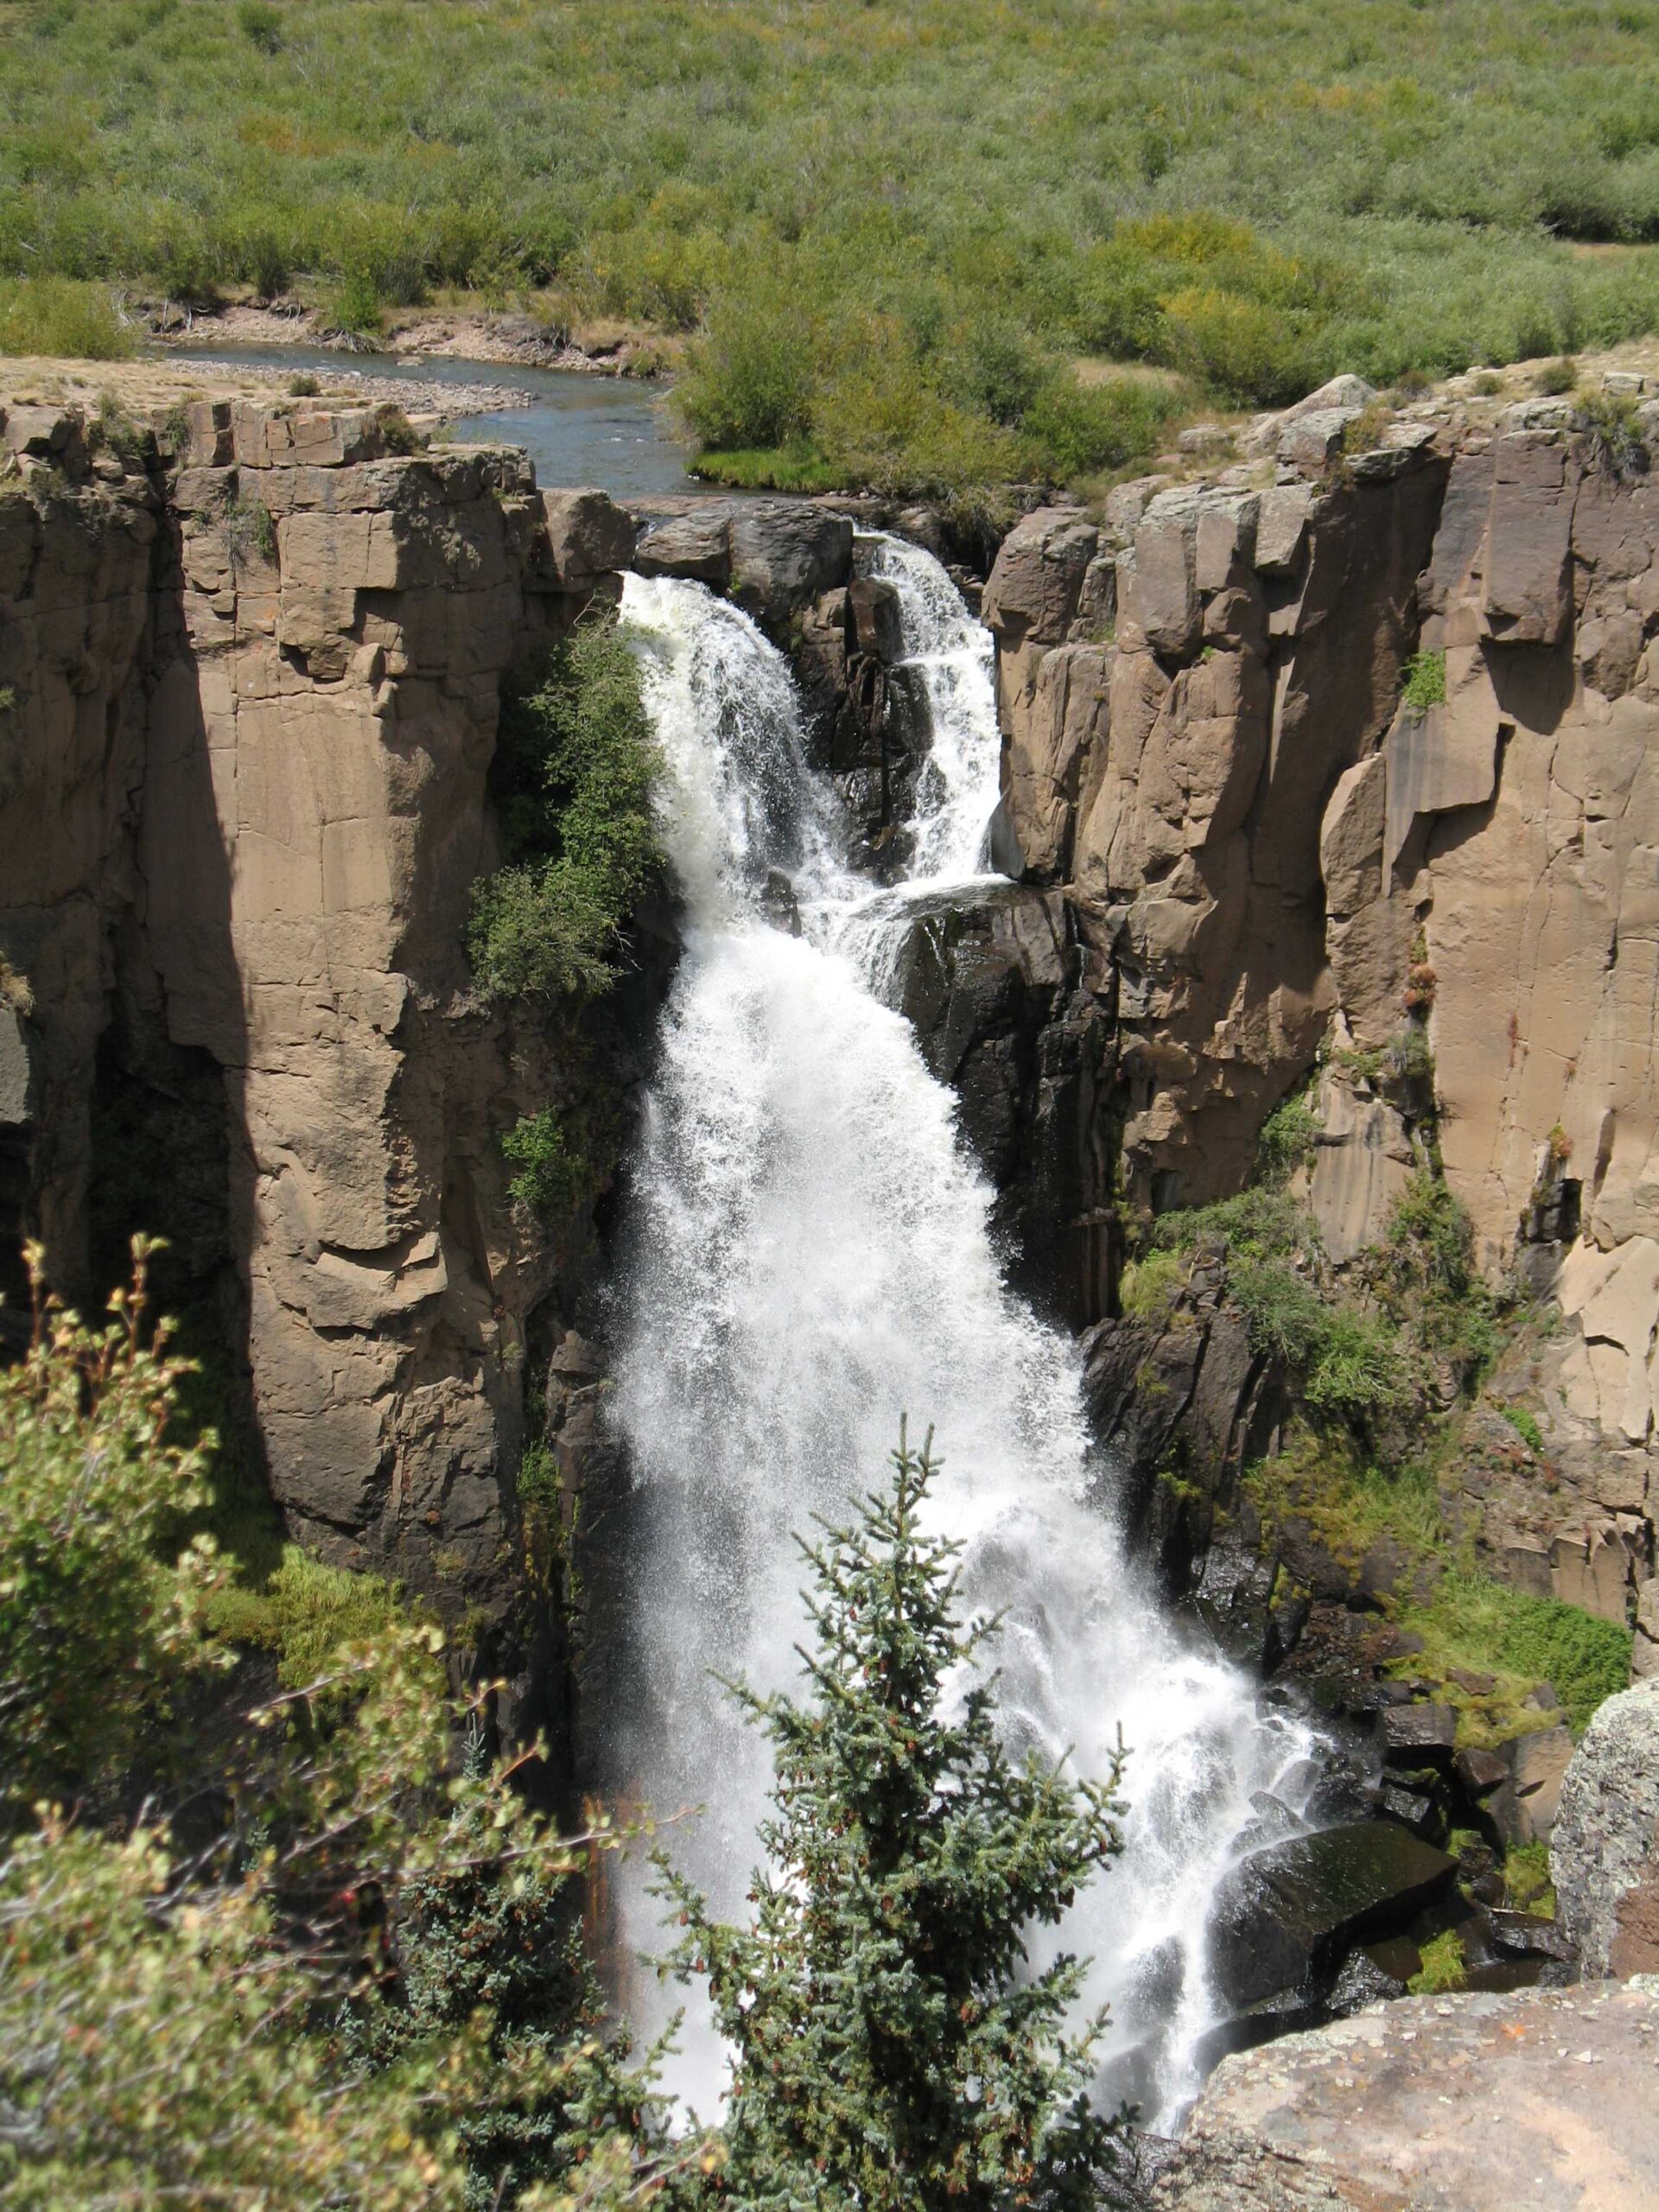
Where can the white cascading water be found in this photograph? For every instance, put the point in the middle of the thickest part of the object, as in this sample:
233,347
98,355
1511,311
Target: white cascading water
806,1257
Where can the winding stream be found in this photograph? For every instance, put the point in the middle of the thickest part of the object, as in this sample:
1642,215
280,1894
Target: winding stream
805,1256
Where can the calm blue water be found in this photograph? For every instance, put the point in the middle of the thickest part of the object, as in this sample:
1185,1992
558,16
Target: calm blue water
580,430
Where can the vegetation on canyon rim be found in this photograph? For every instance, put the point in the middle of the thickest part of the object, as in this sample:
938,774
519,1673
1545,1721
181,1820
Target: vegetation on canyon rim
890,233
313,1946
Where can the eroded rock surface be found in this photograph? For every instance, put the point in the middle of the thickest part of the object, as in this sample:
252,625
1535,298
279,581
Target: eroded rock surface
1475,2103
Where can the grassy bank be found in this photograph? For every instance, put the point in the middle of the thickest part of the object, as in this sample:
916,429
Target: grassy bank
899,224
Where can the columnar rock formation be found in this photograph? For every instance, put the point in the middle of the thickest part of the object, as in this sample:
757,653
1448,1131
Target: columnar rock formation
251,703
1265,853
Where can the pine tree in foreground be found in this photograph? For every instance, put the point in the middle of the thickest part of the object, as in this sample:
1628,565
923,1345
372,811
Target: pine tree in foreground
891,2048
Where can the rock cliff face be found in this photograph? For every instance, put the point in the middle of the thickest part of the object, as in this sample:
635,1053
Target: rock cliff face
251,700
1263,852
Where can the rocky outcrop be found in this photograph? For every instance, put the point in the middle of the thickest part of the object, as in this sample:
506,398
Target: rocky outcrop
252,704
1435,2105
1604,1853
1271,847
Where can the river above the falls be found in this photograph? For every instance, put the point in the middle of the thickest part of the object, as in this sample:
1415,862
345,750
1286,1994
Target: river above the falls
579,428
805,1255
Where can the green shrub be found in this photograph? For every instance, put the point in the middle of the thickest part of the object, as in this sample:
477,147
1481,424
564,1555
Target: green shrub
102,1623
1556,377
56,315
304,386
258,20
749,382
1286,1141
1424,682
1070,430
573,774
550,1171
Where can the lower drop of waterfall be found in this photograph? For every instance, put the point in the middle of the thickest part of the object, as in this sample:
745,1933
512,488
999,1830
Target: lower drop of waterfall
805,1256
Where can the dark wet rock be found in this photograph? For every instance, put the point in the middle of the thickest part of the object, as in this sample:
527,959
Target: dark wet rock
1415,1733
1287,1916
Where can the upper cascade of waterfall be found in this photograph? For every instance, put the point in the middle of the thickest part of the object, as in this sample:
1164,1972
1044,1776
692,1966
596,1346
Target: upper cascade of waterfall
805,1256
954,657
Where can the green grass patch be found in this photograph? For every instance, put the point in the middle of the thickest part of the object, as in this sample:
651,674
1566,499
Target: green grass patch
305,1613
1475,1624
1525,1426
1526,1884
1444,1968
1323,1477
777,468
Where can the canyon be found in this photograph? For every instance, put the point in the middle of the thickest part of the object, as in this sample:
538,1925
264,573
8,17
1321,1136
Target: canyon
250,688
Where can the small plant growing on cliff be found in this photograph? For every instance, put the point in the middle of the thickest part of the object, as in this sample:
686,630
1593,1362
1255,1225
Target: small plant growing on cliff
891,2048
550,1170
1614,434
1286,1141
303,386
1424,685
397,431
572,776
1557,377
1525,1426
249,529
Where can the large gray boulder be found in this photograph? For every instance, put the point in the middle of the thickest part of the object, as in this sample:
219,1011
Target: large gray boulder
1604,1853
1476,2103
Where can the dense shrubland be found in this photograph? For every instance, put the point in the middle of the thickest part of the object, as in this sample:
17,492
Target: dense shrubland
289,1935
895,229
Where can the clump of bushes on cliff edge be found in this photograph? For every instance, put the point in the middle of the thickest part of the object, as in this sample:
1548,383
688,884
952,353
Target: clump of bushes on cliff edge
572,779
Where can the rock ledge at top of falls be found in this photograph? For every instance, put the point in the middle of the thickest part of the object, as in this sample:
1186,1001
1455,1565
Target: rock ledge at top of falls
1476,2103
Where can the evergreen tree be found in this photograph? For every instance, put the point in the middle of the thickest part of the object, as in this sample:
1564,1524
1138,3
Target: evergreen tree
893,2048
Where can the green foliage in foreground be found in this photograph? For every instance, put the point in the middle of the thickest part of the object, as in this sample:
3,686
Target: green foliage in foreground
894,2050
894,228
99,1632
1473,1623
573,776
343,1974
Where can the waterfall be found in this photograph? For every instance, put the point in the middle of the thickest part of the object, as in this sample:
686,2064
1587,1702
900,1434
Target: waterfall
805,1256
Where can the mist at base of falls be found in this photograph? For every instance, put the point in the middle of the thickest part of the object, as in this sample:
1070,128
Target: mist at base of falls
804,1257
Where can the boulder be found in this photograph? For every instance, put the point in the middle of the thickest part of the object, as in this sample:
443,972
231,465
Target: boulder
1475,2103
785,555
1604,1855
696,546
1285,1915
1526,1807
589,536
